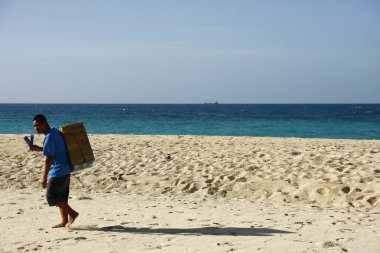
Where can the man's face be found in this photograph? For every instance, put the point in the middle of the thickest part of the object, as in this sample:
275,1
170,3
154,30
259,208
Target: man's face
40,128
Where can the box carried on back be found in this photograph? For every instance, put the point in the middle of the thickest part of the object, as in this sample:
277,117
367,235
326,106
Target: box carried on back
78,146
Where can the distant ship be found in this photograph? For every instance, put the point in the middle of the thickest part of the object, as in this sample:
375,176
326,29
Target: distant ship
212,103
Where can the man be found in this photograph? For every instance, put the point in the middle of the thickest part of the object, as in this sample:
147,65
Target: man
56,177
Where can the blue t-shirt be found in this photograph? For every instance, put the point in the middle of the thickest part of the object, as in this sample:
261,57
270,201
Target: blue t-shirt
54,146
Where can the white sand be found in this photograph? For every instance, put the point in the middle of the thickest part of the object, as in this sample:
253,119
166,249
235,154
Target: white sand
199,194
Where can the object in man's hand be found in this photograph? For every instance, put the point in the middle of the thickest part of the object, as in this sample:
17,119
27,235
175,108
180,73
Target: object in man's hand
29,141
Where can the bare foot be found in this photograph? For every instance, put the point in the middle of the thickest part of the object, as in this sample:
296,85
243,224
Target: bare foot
60,225
72,219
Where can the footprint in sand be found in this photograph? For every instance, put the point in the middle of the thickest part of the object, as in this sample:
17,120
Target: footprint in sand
193,189
80,238
330,244
213,190
295,153
190,188
346,189
209,181
372,200
231,177
241,179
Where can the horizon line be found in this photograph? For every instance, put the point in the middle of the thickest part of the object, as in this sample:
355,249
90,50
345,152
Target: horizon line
205,103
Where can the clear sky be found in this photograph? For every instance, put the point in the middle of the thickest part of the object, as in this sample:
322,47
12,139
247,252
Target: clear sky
173,51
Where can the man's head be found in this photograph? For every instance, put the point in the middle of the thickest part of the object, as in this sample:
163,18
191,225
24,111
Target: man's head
40,124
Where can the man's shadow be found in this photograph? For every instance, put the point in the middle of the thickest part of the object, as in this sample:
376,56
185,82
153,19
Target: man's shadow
231,231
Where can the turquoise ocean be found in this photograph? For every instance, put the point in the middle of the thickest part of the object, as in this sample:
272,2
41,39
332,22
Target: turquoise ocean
338,121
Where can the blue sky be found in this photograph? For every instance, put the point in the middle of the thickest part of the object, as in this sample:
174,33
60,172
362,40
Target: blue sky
325,51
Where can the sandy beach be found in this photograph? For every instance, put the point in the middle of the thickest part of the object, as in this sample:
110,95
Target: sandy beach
199,194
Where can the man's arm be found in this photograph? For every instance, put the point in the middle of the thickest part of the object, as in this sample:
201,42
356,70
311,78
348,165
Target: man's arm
48,163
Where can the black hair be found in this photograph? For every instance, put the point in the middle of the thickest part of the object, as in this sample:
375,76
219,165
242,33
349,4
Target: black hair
40,118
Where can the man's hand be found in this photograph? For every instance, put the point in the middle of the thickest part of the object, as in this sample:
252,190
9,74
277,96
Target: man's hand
36,148
44,182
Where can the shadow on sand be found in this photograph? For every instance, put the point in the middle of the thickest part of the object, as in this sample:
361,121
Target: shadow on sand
231,231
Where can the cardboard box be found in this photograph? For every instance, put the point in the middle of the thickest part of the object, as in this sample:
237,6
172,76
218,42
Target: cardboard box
78,146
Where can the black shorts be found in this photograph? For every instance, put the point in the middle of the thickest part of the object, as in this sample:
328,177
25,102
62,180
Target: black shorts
57,190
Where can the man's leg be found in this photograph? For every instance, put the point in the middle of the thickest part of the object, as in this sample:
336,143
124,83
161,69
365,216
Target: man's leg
64,216
70,213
